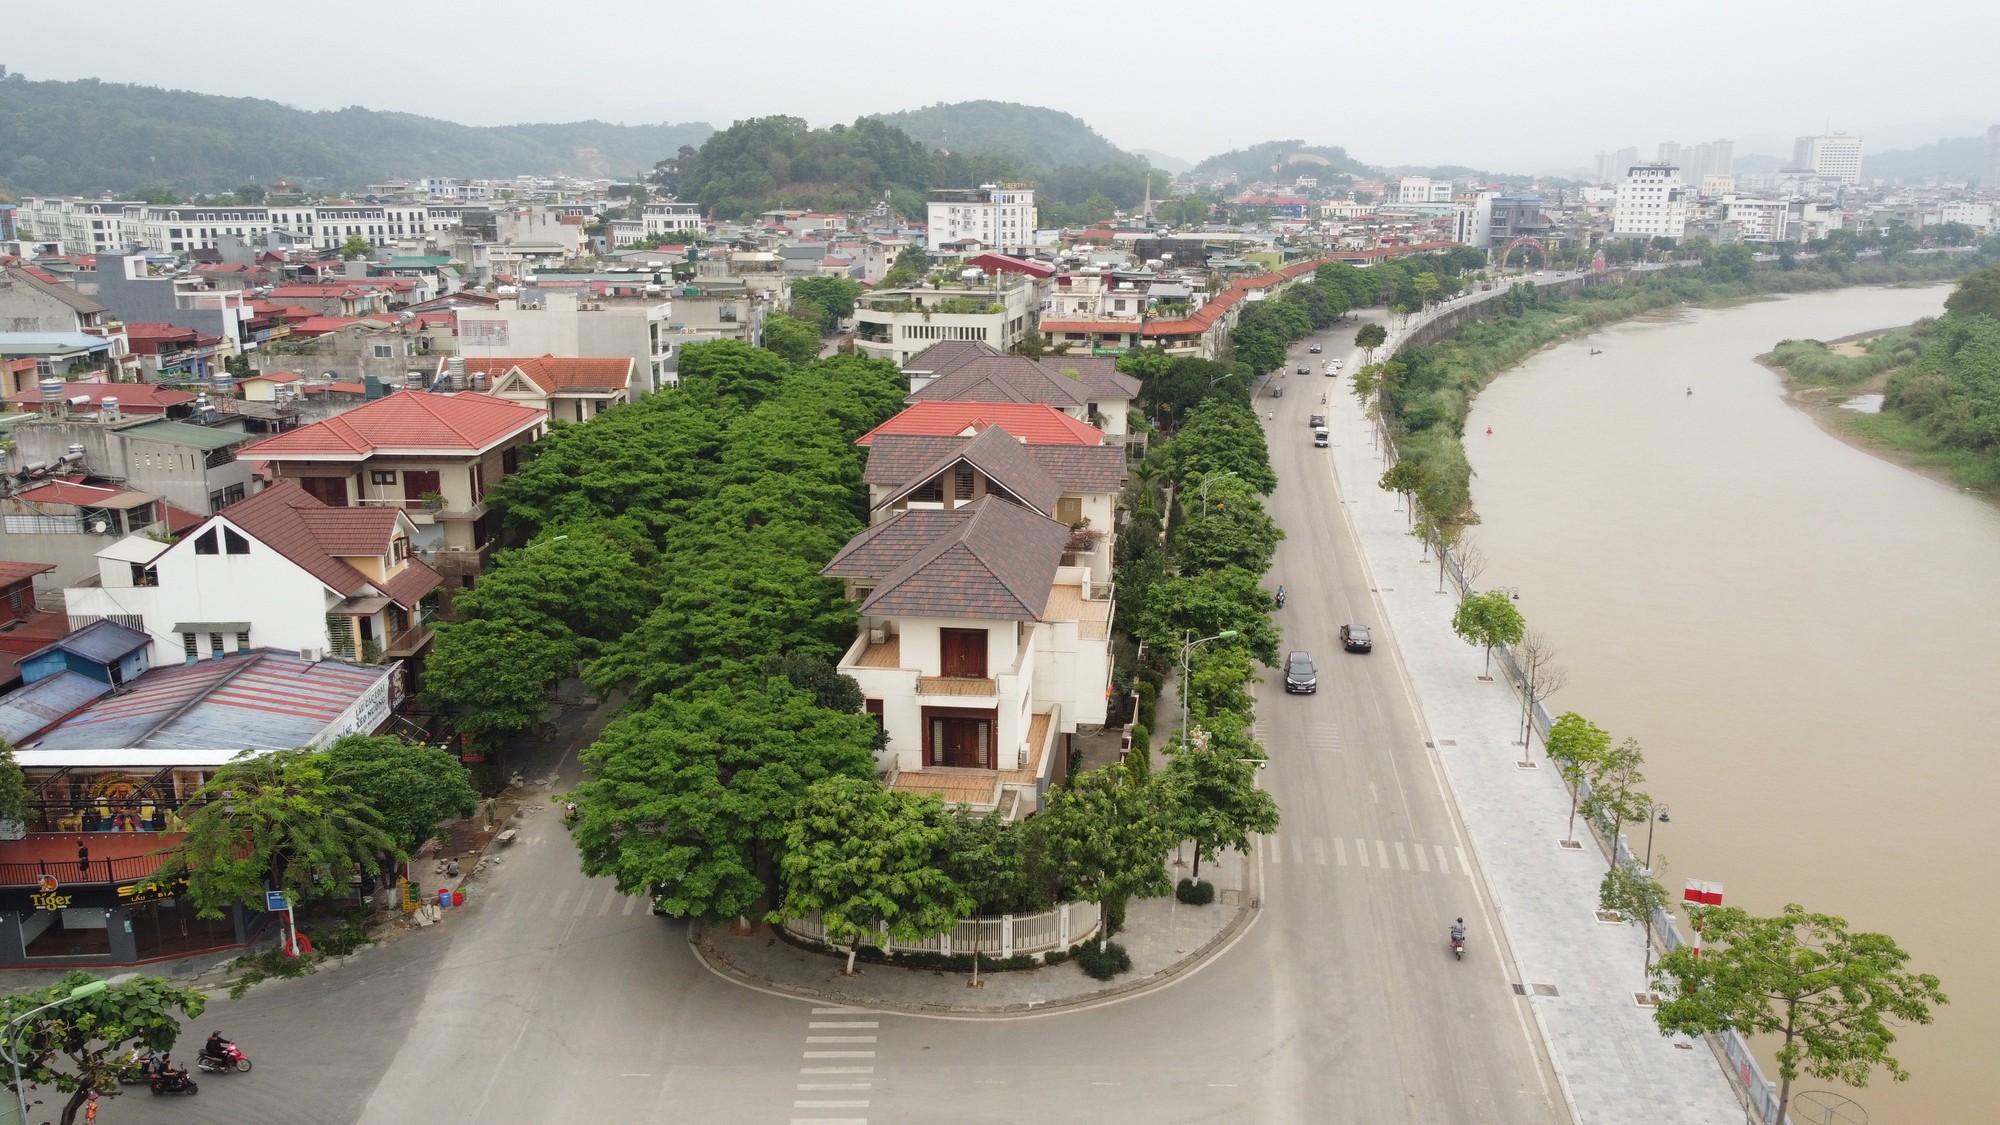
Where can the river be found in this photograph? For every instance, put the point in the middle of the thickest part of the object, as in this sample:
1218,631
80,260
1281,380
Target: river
1801,635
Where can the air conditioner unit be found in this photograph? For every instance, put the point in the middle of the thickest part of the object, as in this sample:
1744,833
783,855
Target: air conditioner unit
878,635
309,654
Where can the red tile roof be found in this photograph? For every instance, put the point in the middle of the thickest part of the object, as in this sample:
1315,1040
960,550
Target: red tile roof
1032,422
276,376
64,492
352,289
1204,318
321,325
555,375
12,572
1007,263
133,398
410,421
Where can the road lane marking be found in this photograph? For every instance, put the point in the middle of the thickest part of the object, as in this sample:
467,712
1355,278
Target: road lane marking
842,1012
560,899
829,1121
610,896
1277,849
1443,867
1361,849
836,1070
836,1085
1340,849
1402,858
1423,864
1382,853
840,1039
582,904
820,1103
630,902
844,1023
1462,865
839,1055
1319,851
1298,851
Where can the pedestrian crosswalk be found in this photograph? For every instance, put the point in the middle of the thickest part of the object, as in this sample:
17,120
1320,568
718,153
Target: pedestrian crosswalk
839,1073
1319,738
1300,849
598,898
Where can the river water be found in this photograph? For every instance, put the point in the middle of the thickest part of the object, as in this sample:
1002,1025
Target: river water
1804,638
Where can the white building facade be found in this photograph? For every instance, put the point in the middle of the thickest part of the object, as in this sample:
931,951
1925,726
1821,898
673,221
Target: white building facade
1758,220
999,217
1837,156
1652,203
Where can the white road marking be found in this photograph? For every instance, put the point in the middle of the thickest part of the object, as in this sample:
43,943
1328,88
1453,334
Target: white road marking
1443,867
1462,865
582,903
1319,851
844,1023
835,1085
839,1055
836,1070
1402,859
851,1103
1361,849
829,1121
610,896
842,1012
630,902
1298,851
560,899
1277,850
1423,864
840,1039
1382,853
1340,849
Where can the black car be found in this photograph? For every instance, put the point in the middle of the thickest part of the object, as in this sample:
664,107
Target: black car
1300,675
1317,421
1355,638
1314,349
1305,369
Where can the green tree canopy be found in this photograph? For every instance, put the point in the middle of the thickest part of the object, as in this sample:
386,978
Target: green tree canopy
1227,528
493,677
1487,619
1204,605
688,797
833,295
865,857
796,341
355,247
1371,335
76,1047
733,369
412,787
1211,792
14,795
1579,748
1105,837
1220,437
1829,995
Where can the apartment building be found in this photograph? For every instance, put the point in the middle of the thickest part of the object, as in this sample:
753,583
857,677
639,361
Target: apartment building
996,216
1757,220
1652,203
1836,155
96,226
660,220
896,324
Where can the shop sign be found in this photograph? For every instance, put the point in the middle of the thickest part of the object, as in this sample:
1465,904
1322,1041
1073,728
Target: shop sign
49,900
151,890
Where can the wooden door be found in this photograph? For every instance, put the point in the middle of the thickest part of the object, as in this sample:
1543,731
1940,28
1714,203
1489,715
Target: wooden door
961,742
962,652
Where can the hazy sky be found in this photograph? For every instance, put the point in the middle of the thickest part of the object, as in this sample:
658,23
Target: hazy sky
1507,86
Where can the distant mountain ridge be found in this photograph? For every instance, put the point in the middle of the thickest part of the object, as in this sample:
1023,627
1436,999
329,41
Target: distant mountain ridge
1955,159
1034,135
1281,160
87,136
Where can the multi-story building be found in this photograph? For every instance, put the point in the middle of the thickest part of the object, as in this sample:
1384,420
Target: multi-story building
998,217
565,322
1652,203
1611,166
896,324
1978,216
1088,388
431,456
663,219
97,226
1422,189
568,389
1836,155
1757,220
1696,162
196,468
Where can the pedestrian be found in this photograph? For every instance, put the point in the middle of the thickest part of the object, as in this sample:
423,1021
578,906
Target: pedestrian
82,857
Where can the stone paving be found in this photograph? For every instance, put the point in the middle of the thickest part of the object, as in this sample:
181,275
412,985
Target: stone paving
1164,938
1614,1064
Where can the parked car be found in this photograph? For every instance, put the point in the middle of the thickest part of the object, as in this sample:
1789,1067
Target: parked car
1314,349
1355,638
1300,675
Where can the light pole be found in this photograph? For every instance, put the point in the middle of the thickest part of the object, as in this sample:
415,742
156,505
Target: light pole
80,992
1656,814
1205,478
1187,655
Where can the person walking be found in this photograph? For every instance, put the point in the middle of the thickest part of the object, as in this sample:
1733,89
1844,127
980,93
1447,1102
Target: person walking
82,856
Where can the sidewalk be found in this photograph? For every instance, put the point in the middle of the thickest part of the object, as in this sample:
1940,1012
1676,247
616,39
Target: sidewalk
1614,1064
1165,939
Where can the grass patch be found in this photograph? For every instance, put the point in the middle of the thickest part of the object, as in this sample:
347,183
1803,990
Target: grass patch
1912,444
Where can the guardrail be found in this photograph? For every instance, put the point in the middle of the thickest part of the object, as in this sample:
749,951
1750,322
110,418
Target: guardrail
995,936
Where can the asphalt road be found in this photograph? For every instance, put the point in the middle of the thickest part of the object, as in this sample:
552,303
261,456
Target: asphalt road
549,998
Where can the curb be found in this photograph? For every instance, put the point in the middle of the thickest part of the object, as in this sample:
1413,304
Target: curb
1246,916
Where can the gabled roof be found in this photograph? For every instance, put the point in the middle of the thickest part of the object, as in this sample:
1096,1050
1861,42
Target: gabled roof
28,711
987,559
84,495
413,422
1012,378
896,458
103,641
188,434
948,354
36,281
1032,422
998,457
554,375
314,537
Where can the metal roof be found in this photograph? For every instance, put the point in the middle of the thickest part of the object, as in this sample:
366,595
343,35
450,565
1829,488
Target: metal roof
27,710
105,642
182,433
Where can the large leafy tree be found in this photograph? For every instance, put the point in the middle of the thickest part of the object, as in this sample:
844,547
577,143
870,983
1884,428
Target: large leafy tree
1227,528
1829,995
1211,791
834,296
411,786
277,821
732,369
796,341
1221,437
1204,605
1578,747
1259,347
1488,619
867,859
1105,837
76,1046
1371,335
492,677
688,797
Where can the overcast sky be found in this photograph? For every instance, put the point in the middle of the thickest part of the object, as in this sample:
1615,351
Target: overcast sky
1505,86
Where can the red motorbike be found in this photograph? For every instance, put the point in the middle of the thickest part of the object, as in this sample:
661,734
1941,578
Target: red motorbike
232,1059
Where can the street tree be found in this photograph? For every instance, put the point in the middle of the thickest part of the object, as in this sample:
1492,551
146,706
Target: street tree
355,247
1541,677
1226,528
1211,792
76,1047
1576,745
1218,681
411,786
867,859
988,856
834,295
1404,478
277,821
492,677
733,369
1105,838
1258,346
1205,604
1486,620
14,795
796,341
1219,437
690,796
1615,798
1635,896
1827,994
1371,335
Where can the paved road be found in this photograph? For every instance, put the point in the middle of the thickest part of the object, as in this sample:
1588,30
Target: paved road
552,999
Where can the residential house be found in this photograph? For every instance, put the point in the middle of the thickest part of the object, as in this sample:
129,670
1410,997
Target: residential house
280,570
1076,484
565,323
1087,388
31,304
168,351
569,389
432,456
193,467
138,287
61,355
130,400
896,324
978,651
388,348
337,298
62,525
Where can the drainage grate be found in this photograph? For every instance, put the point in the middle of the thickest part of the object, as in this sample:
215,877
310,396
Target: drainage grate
1647,999
1606,916
1683,1046
1538,989
1447,742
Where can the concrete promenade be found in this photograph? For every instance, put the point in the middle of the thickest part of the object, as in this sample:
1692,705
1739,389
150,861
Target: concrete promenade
1580,974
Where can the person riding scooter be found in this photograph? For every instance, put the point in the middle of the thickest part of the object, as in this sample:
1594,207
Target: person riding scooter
217,1048
1281,596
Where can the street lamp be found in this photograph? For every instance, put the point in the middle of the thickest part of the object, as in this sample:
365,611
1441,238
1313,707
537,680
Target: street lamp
1655,814
80,992
1205,478
1187,654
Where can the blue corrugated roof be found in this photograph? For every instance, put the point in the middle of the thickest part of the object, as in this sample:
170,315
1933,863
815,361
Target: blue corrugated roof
105,642
29,709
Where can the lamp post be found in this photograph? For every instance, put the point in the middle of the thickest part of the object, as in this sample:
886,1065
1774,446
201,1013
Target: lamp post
1205,478
1654,815
1187,654
80,992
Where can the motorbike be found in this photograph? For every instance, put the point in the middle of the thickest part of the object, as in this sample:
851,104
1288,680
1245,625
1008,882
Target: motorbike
232,1059
1458,946
174,1082
1281,599
133,1068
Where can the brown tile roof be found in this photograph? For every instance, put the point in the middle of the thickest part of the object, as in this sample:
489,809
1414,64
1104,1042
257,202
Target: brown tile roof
408,586
554,375
942,357
1005,378
1002,460
36,281
894,459
12,572
988,559
345,532
313,536
1099,372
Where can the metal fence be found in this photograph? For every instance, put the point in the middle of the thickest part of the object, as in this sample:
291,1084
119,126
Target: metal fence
995,936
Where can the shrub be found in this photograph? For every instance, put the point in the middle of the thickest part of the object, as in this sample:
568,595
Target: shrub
1142,739
1055,956
1103,963
1195,894
1149,700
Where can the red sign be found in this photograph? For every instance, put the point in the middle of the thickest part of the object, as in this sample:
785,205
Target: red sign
46,883
1705,893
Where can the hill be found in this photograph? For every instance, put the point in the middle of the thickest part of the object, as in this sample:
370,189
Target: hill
1166,162
1952,159
1283,160
87,136
1042,138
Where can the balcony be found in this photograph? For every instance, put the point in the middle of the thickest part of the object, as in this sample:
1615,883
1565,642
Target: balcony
961,686
407,643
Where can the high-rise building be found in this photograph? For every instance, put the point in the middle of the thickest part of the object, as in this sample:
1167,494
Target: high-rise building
1991,181
997,216
1611,166
1836,155
1652,203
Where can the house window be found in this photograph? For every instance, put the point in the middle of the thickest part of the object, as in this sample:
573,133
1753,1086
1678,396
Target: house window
932,492
385,351
418,482
206,544
233,543
1069,510
961,484
399,548
874,709
215,645
378,476
331,491
243,641
188,646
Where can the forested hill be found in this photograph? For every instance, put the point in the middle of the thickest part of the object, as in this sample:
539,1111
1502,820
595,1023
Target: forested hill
89,136
1958,159
1043,138
1280,160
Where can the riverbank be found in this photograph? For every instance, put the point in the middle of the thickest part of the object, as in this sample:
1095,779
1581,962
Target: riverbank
1884,432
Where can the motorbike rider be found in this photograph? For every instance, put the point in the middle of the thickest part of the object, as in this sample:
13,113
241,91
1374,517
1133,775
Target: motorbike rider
1281,593
1458,932
217,1048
